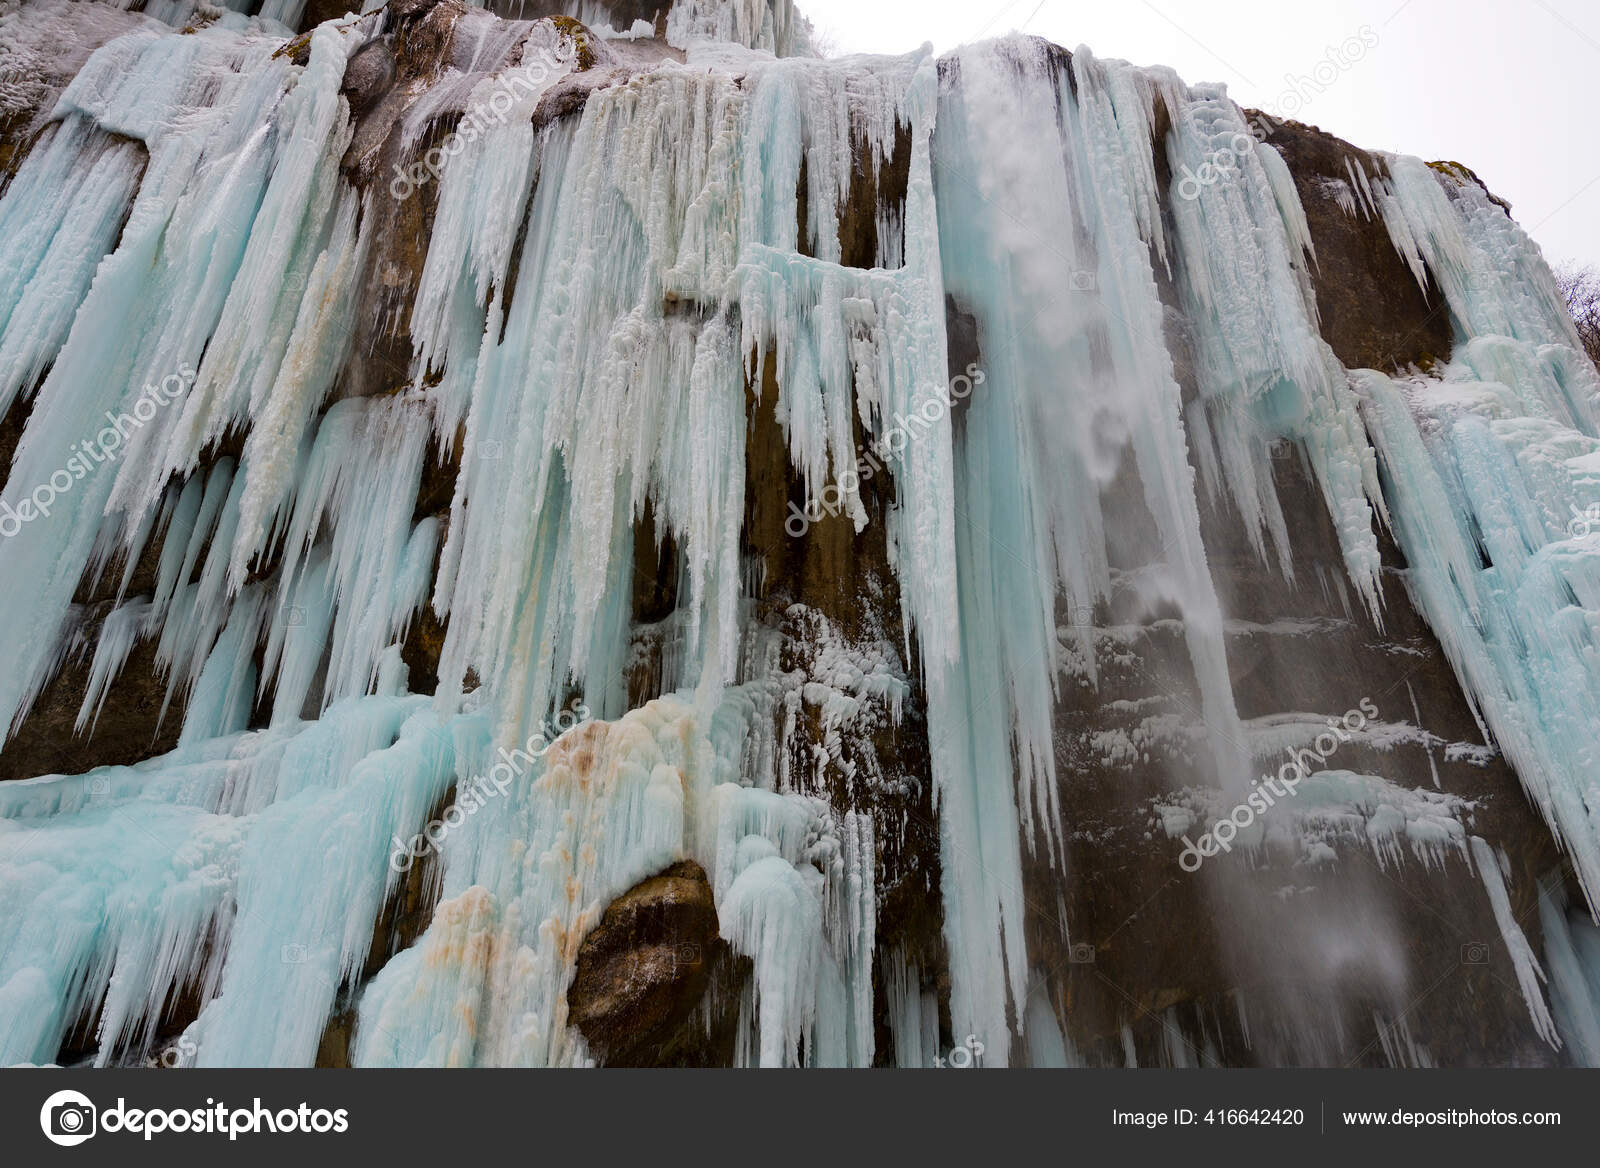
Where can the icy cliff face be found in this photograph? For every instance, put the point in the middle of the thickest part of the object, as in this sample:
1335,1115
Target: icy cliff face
529,533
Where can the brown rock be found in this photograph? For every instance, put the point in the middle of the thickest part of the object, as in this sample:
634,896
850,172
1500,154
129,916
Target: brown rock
1373,313
646,965
129,730
317,11
369,74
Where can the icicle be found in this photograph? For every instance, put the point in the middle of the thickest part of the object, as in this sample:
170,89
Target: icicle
312,881
913,1013
773,25
122,627
200,104
1264,371
1529,974
1489,488
1572,952
227,682
59,218
483,199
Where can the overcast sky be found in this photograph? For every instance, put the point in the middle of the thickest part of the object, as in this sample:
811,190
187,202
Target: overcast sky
1505,86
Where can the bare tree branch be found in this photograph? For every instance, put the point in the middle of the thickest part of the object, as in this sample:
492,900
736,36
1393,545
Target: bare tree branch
1580,288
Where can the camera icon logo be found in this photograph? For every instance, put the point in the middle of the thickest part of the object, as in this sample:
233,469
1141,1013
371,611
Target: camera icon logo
685,955
68,1118
1583,522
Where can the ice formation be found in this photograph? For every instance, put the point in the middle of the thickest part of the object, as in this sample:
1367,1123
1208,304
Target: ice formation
1491,470
605,298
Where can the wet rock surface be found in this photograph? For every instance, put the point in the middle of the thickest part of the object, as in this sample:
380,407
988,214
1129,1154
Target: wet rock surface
645,966
1373,313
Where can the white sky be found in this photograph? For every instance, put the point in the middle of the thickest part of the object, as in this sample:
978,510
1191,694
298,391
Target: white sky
1506,87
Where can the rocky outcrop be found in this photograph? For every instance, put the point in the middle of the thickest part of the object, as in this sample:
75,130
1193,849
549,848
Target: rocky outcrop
38,57
646,966
1373,313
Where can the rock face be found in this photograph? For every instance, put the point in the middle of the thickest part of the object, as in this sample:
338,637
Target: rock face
646,966
1142,952
1372,312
